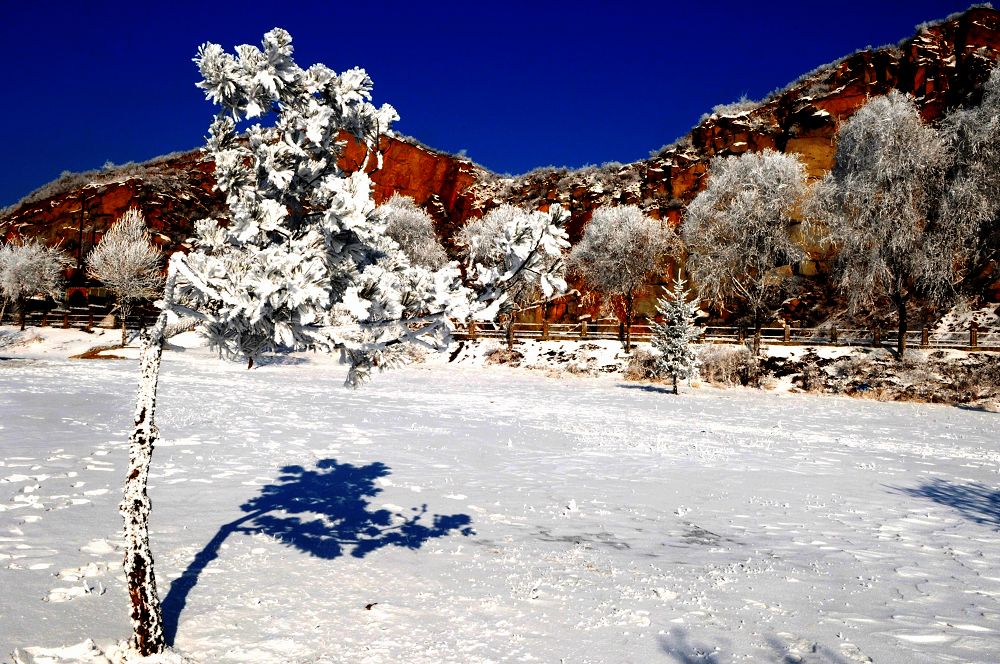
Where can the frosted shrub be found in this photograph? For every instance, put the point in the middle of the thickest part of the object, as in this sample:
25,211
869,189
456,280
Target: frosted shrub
128,263
729,365
642,365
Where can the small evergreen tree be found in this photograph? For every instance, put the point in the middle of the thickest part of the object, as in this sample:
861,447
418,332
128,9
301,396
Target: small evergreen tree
673,338
128,263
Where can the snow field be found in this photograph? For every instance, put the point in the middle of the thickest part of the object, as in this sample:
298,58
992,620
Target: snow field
461,514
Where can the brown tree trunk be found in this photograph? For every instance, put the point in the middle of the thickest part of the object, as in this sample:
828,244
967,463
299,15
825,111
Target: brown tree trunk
22,309
627,340
675,384
900,302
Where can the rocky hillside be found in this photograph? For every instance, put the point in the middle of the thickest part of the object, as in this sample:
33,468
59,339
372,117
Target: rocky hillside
943,66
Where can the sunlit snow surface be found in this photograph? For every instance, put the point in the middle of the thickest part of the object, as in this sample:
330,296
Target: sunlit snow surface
577,518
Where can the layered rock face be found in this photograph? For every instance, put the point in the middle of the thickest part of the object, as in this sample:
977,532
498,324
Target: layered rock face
943,66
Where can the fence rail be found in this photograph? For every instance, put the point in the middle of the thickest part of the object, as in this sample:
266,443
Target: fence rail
79,317
971,339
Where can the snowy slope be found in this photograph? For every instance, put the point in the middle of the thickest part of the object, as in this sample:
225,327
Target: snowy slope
445,514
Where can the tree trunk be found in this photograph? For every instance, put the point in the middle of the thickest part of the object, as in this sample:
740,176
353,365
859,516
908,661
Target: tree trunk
146,613
757,324
123,328
900,302
22,309
627,340
510,333
675,384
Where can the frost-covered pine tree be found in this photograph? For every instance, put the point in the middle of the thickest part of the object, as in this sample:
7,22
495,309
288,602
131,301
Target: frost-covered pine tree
413,230
673,338
620,250
300,262
128,263
737,231
516,258
27,269
879,206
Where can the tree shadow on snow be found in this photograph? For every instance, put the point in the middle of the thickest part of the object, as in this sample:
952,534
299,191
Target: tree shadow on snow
974,501
681,649
324,512
645,387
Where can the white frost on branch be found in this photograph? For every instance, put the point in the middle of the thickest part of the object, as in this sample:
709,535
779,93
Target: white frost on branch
304,260
127,262
737,230
515,257
620,251
413,230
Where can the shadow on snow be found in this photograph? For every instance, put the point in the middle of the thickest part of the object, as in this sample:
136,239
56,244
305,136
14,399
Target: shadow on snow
323,512
974,501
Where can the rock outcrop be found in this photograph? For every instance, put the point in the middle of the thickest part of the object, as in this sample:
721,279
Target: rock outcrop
943,66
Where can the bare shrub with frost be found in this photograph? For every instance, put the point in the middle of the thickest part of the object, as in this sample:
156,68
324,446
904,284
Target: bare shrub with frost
128,263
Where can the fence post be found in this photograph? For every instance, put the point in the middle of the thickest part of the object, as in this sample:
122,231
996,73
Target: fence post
90,316
510,334
545,330
583,329
876,338
833,334
924,338
788,332
741,334
65,318
472,330
974,334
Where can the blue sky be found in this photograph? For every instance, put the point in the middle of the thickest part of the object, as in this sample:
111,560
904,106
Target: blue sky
515,84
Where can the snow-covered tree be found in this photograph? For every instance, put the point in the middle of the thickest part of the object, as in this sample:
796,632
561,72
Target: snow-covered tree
673,338
879,205
128,263
302,260
620,250
27,269
737,231
413,230
515,257
973,193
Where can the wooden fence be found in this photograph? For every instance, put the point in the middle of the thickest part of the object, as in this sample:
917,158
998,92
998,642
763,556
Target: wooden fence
80,317
971,339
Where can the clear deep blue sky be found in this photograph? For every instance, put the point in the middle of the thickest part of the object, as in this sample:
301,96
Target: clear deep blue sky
517,85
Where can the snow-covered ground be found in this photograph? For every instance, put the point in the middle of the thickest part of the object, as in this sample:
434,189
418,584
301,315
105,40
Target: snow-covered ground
469,514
